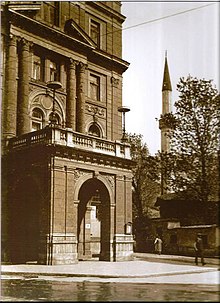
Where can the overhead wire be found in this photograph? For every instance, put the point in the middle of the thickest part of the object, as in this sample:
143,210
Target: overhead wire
162,18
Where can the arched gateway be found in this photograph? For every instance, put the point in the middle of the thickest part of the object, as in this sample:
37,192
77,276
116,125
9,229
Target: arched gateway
94,221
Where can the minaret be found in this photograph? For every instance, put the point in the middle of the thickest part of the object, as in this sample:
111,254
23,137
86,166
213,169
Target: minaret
164,127
166,107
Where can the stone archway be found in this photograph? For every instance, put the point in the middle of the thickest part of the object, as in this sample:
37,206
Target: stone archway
93,230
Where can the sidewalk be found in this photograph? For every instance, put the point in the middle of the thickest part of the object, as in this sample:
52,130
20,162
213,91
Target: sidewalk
143,266
175,258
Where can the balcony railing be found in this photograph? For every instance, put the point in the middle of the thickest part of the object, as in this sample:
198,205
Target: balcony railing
66,137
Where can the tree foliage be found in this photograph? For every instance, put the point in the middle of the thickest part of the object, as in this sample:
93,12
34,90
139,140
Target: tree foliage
145,185
192,164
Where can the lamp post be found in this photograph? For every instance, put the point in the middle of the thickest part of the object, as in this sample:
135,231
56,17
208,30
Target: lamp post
54,85
123,110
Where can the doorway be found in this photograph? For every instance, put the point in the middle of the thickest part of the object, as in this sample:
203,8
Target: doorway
93,231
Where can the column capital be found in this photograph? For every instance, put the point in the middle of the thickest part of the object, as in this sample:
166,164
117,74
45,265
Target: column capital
82,67
114,81
25,44
12,40
72,63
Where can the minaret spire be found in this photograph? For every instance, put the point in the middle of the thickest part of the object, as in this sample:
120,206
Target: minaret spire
166,109
166,76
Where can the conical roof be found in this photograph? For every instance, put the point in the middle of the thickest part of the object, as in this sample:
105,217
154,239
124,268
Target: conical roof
166,77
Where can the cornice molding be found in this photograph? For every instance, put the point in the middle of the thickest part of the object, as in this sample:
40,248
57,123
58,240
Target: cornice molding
90,50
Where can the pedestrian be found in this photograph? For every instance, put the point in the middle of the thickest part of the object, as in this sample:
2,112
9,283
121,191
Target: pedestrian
198,246
158,245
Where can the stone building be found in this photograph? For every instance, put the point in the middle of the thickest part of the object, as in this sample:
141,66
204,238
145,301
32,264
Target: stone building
66,173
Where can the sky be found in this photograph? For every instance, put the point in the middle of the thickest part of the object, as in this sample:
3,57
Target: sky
189,32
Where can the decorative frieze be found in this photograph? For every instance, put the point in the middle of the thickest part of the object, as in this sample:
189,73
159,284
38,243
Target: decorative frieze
95,110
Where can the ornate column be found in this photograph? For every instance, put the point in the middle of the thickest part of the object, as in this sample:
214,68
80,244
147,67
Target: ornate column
71,96
23,125
10,95
80,90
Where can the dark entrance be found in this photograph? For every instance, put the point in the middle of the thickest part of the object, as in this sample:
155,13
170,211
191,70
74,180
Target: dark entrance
93,221
24,222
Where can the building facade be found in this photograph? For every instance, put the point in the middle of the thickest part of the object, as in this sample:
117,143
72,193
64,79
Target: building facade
66,190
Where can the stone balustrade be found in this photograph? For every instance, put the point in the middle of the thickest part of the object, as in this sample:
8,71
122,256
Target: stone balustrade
66,137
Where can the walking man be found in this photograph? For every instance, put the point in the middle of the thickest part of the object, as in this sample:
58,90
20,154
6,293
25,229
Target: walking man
198,246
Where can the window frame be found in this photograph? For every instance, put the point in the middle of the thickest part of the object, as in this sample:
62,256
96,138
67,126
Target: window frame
95,28
37,120
38,64
54,72
96,132
94,86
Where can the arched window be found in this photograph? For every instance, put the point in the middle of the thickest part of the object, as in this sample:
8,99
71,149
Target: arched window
37,119
94,130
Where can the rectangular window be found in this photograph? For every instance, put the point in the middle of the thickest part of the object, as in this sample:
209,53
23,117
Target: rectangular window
95,32
53,12
57,13
54,71
94,87
37,68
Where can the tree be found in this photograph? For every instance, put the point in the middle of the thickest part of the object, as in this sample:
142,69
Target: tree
194,137
145,185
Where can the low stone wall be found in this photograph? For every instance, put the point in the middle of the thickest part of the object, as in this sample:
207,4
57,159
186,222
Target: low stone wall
185,238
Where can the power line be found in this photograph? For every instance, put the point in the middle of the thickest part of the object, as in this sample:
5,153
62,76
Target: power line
168,16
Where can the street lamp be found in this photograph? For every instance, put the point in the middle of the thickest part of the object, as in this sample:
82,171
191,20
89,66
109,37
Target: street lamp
123,110
54,85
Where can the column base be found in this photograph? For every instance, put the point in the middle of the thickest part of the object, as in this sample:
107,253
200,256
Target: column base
122,248
61,249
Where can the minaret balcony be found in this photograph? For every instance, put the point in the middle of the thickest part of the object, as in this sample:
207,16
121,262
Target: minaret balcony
58,136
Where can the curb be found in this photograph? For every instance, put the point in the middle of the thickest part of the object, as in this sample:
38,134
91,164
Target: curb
35,274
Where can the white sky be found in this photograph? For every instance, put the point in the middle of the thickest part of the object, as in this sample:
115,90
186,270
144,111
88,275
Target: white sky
192,43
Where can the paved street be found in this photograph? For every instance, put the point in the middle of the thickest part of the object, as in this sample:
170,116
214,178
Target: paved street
148,278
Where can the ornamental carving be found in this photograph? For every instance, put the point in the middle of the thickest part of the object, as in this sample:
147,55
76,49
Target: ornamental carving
82,67
95,110
114,81
110,179
80,173
72,63
13,40
25,44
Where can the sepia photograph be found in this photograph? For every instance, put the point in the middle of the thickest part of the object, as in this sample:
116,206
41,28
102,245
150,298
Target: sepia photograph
110,151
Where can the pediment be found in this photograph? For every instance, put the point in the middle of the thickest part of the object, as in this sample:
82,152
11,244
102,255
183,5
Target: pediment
76,32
